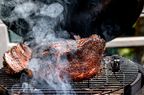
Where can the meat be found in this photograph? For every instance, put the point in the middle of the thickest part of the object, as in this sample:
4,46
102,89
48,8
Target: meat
85,62
83,55
16,59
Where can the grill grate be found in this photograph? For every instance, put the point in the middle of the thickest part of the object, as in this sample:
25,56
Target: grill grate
105,83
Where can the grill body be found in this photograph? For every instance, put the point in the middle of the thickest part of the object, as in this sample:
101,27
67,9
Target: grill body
125,82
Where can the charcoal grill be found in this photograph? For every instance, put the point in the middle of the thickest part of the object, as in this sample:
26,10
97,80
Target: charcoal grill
118,83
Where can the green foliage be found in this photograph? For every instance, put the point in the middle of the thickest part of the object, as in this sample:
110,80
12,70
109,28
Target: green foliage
126,52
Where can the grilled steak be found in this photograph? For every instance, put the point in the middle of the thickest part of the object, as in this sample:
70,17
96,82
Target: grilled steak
85,62
83,55
16,59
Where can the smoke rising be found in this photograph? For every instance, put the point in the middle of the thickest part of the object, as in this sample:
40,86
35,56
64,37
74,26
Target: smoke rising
44,20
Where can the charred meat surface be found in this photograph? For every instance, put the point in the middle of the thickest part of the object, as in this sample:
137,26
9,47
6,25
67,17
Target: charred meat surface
86,61
83,59
16,59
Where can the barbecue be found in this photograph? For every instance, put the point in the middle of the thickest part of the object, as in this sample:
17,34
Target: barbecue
84,62
106,83
16,59
63,46
111,74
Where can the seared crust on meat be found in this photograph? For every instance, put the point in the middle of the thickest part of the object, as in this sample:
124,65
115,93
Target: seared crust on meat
84,57
86,62
16,59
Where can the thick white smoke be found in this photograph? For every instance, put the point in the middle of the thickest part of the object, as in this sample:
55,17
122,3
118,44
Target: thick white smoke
44,22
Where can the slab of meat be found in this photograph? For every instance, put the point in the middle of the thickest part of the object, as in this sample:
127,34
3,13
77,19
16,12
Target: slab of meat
85,63
83,55
16,59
